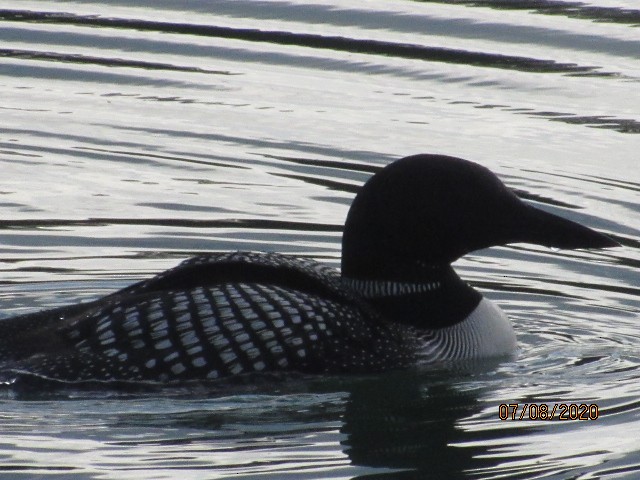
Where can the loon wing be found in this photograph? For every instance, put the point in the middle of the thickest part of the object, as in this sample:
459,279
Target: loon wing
200,321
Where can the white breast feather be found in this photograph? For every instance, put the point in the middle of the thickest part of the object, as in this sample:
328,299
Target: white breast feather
485,333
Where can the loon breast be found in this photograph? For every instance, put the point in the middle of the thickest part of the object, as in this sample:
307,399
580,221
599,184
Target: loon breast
485,333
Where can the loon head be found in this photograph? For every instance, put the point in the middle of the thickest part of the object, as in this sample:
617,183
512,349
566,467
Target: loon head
426,211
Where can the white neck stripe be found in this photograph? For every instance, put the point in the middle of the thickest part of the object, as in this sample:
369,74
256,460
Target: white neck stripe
387,288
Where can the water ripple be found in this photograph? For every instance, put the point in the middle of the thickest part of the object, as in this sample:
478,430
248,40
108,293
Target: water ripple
352,45
135,134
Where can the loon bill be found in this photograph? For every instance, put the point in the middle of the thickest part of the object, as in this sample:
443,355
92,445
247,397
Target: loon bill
396,303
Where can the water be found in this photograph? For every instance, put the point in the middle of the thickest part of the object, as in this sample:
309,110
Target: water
134,134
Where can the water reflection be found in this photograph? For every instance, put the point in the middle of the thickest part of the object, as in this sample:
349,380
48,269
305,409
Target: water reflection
405,424
398,425
437,423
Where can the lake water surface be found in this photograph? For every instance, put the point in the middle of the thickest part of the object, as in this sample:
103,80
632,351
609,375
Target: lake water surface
134,134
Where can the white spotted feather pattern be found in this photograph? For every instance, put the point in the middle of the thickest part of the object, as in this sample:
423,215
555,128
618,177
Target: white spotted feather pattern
214,331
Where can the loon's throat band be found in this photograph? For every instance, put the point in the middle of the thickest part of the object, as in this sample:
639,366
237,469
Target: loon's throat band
389,288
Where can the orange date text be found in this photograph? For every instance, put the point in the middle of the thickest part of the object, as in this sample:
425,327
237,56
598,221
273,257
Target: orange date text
548,411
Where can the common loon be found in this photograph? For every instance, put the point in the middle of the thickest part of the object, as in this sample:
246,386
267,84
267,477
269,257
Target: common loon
397,301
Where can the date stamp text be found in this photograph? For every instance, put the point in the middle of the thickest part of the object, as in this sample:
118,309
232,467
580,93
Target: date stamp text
548,411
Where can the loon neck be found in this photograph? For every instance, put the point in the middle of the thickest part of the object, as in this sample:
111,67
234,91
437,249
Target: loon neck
439,299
